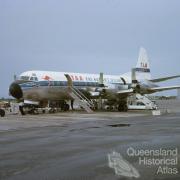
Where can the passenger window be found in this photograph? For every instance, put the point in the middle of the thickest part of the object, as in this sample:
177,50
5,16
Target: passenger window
33,79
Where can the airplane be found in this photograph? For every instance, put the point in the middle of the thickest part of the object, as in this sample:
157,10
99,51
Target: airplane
40,87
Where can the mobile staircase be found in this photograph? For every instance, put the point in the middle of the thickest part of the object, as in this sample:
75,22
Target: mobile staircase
78,96
146,101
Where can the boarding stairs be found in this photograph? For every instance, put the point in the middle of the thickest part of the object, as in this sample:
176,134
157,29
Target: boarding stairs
81,99
77,95
146,101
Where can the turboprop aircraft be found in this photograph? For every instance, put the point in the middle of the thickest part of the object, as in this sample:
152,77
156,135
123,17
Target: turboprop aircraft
39,87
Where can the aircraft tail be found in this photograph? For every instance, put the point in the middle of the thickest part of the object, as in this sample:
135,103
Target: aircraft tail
143,67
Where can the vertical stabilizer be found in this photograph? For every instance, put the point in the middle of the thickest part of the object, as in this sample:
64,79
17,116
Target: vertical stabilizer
143,66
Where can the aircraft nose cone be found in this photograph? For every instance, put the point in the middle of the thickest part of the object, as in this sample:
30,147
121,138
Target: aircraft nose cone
15,91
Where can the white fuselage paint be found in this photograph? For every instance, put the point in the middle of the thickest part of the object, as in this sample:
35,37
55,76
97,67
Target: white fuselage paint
53,85
60,76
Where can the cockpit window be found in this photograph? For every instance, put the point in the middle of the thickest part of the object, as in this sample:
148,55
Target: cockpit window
25,78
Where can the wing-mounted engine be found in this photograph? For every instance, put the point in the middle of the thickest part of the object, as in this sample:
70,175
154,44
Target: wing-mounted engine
112,89
141,87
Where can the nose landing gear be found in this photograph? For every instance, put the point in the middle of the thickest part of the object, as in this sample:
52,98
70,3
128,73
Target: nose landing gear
2,112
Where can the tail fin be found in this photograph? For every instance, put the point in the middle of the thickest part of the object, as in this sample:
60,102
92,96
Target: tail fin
143,66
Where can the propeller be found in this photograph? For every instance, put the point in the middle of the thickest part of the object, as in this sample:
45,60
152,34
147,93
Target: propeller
135,84
133,77
101,80
101,87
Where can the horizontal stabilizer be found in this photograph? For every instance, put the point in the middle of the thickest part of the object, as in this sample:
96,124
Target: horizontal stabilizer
164,78
157,89
128,91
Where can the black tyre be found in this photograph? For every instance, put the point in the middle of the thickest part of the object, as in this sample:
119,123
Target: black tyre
51,111
123,107
120,109
66,107
21,109
2,113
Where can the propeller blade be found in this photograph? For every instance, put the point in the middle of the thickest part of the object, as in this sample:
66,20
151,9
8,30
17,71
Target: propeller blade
133,76
101,80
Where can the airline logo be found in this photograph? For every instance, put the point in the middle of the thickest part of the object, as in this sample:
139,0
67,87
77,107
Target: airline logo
47,78
144,65
77,78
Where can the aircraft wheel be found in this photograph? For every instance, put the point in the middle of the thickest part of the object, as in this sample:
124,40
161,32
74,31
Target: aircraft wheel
2,113
52,110
120,109
21,109
123,107
66,107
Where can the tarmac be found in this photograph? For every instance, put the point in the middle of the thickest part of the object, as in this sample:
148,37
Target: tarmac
100,146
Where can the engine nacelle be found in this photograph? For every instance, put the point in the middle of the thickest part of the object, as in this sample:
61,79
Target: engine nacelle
142,87
115,88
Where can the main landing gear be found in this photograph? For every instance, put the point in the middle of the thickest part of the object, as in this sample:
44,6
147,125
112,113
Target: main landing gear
122,106
2,113
64,106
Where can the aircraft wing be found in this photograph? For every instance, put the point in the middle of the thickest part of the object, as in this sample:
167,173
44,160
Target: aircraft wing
164,78
157,89
128,91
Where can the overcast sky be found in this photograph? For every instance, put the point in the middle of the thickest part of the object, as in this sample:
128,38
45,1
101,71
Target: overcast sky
88,36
